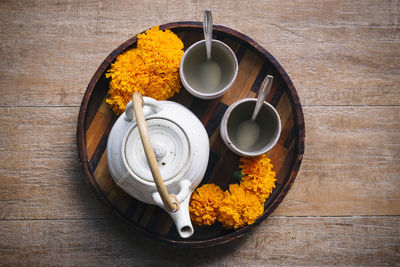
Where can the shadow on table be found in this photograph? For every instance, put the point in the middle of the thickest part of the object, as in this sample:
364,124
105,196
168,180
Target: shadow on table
125,246
117,243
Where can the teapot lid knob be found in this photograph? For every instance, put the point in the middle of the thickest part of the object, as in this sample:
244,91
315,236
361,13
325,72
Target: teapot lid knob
159,151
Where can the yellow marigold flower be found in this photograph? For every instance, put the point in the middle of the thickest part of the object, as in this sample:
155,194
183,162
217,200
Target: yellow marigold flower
150,69
239,207
258,176
204,204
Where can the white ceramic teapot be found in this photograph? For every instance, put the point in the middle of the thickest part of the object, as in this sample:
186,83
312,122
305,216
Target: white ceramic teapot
157,151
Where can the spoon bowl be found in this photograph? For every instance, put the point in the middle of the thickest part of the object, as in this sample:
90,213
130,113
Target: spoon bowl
247,134
210,75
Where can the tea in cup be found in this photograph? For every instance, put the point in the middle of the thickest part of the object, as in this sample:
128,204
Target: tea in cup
204,78
253,139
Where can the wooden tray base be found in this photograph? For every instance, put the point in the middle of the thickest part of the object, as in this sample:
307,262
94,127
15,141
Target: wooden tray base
96,120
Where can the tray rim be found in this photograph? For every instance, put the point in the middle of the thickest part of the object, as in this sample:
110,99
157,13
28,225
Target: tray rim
298,119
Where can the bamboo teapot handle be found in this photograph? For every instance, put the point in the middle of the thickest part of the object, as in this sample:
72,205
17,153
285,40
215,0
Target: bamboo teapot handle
170,202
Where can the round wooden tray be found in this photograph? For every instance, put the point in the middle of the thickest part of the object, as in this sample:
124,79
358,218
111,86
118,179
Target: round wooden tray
96,120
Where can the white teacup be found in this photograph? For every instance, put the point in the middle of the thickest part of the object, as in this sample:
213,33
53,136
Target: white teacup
268,121
211,80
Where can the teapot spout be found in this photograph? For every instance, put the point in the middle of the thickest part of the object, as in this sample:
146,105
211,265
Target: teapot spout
181,217
182,220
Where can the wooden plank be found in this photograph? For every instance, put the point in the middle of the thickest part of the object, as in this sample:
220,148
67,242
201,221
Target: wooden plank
351,165
336,53
312,241
40,174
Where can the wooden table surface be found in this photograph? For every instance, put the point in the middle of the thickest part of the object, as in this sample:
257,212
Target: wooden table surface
342,56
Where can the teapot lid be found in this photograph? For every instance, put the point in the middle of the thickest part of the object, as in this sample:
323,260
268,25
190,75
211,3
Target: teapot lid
171,147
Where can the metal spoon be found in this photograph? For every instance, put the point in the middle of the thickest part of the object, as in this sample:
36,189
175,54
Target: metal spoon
208,30
265,88
248,131
210,71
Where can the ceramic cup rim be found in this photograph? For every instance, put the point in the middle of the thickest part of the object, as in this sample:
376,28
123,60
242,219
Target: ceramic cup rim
218,93
228,142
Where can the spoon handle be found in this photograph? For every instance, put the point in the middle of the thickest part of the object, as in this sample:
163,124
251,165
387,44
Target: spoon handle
208,29
265,88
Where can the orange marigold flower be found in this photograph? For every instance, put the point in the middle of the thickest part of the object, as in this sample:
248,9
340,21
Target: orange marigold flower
239,207
258,176
204,204
150,69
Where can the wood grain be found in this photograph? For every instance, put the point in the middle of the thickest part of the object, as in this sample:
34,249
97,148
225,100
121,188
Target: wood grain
41,178
51,49
320,241
352,164
343,58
